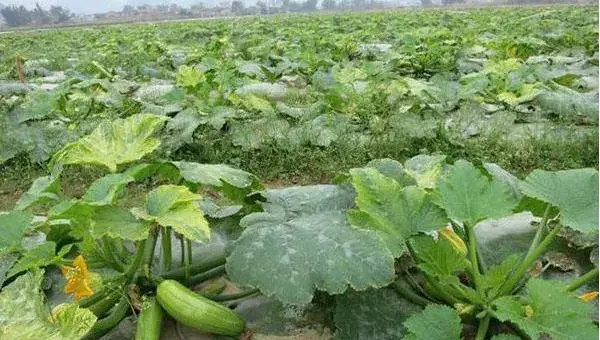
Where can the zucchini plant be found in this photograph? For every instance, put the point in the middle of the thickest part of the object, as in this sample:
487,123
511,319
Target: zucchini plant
413,229
396,248
115,245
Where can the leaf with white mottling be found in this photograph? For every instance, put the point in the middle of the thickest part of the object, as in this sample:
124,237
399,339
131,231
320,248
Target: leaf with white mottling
375,314
302,242
12,229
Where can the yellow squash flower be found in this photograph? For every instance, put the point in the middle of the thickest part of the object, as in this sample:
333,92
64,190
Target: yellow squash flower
454,239
78,279
587,297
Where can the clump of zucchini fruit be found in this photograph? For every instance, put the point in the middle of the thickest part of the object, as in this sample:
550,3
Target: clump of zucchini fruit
171,298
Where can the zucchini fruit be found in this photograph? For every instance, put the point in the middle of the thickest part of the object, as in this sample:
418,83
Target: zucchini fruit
196,311
149,322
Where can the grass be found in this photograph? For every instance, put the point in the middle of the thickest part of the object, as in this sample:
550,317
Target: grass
309,165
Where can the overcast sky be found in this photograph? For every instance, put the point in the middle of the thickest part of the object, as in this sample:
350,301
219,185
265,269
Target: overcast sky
99,6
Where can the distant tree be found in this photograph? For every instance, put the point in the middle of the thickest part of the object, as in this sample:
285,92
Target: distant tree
262,6
309,5
128,9
40,16
237,7
329,4
16,16
60,14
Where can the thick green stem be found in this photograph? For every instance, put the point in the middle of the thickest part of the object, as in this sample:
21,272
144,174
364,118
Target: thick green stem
137,260
473,255
110,254
166,248
528,262
188,261
182,246
231,297
483,327
200,266
539,234
103,326
404,290
583,280
207,275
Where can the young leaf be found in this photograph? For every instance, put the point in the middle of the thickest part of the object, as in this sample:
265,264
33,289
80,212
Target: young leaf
44,189
113,143
394,212
105,190
549,311
436,322
177,207
23,314
438,259
12,228
496,275
375,314
302,241
468,196
574,192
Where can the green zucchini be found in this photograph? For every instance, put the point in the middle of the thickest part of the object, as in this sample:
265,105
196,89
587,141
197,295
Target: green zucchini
102,307
196,311
149,322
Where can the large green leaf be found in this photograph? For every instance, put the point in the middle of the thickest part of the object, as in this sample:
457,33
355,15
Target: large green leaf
574,192
302,241
395,213
12,229
436,322
176,207
375,314
113,143
548,312
43,189
469,196
23,314
106,190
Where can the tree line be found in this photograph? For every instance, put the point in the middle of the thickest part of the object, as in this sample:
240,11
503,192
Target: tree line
20,15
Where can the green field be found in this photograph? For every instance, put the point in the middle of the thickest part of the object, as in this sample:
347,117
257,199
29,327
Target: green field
409,120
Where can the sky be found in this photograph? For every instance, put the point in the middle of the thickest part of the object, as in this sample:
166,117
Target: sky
98,6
